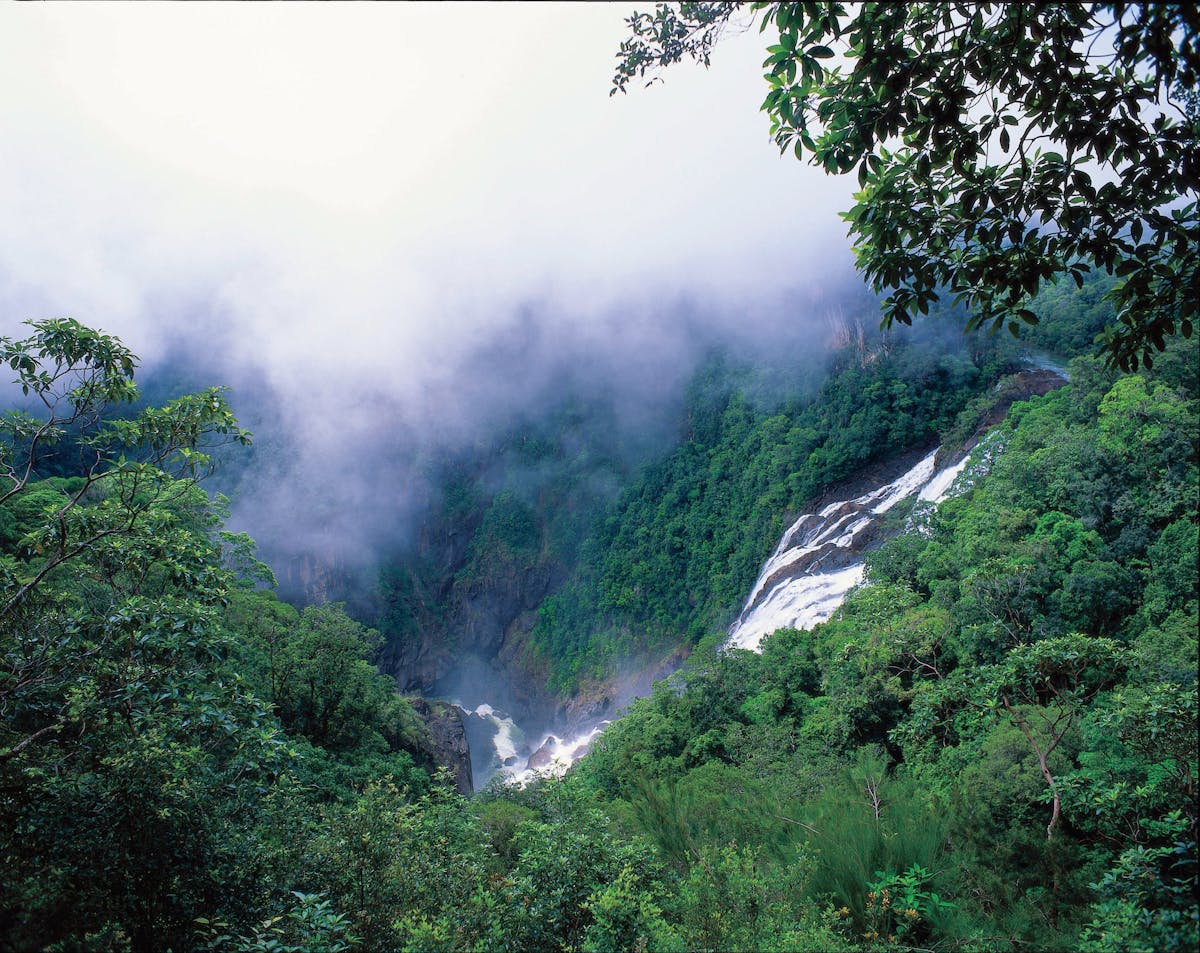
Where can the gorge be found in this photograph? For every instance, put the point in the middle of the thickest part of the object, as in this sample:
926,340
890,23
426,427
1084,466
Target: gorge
886,748
816,562
446,508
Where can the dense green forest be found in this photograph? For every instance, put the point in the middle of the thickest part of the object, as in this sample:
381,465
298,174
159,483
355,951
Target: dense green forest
635,560
680,549
991,746
638,559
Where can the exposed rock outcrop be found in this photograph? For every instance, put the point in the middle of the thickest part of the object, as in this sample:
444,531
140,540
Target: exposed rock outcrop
446,745
544,756
310,578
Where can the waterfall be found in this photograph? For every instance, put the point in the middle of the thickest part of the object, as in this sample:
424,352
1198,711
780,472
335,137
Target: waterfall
819,558
499,747
555,754
817,561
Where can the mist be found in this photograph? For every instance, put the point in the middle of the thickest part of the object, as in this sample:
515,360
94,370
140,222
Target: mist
395,230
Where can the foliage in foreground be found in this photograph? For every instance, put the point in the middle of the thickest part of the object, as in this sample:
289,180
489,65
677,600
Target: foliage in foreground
992,746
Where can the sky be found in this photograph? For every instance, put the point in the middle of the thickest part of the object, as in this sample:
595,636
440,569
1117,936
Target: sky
354,199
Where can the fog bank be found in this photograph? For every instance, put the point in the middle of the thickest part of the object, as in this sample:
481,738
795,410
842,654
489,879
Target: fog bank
398,227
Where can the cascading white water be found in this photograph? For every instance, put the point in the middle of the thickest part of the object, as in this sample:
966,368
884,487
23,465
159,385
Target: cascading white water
802,584
555,755
818,559
816,563
512,757
508,735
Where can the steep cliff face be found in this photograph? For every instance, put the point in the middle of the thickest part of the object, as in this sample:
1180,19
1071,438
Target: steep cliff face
487,611
481,619
457,610
310,578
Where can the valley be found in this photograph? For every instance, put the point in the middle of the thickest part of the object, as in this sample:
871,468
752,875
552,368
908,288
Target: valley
451,503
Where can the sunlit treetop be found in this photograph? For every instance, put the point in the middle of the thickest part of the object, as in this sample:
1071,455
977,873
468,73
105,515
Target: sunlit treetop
997,146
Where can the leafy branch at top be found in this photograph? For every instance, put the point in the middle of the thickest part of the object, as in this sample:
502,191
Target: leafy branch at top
997,147
79,376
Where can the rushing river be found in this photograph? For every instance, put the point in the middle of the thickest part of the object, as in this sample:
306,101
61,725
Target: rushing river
500,747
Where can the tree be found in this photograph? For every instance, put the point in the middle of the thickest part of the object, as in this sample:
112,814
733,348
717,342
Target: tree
1045,686
77,378
131,473
129,749
998,146
325,687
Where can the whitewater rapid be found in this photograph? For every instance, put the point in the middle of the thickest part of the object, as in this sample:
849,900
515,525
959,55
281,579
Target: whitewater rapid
818,560
513,758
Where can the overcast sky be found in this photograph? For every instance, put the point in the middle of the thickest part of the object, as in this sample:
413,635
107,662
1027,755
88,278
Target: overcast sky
376,169
363,192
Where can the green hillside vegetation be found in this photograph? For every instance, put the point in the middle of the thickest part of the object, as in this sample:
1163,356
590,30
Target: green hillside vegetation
999,728
992,745
677,553
641,560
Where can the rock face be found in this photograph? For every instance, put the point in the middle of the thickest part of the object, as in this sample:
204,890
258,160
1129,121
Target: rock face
310,578
470,651
457,614
483,617
486,611
544,755
447,741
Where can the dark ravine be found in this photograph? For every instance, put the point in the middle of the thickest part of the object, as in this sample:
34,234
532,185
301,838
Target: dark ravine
483,620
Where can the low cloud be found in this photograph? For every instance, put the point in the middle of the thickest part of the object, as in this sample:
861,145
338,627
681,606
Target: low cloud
394,228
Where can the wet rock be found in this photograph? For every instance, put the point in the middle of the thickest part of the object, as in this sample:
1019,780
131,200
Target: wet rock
544,756
446,742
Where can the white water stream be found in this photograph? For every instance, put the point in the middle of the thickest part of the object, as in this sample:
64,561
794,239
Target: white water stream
517,761
818,560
